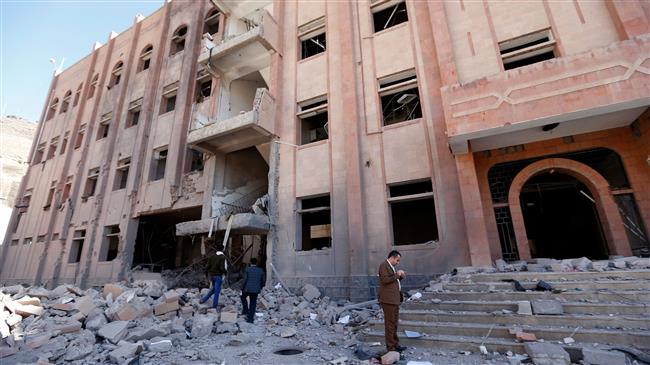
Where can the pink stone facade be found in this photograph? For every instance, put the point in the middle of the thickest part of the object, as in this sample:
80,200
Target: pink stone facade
475,115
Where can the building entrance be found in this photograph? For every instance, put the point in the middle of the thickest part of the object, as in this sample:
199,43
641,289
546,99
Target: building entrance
561,218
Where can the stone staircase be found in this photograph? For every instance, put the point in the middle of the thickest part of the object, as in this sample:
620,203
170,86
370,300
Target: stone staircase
600,309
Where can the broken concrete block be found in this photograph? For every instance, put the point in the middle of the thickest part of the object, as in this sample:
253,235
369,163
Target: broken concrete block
542,306
4,330
186,311
152,288
288,332
165,307
7,350
228,317
114,331
28,310
582,264
123,352
114,289
310,292
642,263
13,290
544,353
147,333
536,268
171,296
202,326
66,307
39,292
85,305
523,307
65,325
619,264
34,342
525,336
13,319
601,357
390,357
27,300
160,346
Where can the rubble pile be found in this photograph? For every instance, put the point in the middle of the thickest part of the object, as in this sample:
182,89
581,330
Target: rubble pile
123,321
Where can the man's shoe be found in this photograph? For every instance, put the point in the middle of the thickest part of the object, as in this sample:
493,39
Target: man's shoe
400,348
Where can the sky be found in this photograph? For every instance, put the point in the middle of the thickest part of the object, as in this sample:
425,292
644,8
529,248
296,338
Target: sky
32,32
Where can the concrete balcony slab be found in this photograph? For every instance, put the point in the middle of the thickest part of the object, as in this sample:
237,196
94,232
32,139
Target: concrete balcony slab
243,223
239,132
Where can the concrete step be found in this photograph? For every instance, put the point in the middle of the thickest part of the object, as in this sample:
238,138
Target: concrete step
619,285
640,339
558,276
631,296
491,306
446,342
566,320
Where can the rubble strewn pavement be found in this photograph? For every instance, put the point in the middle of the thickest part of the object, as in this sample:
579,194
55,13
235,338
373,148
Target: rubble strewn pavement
145,322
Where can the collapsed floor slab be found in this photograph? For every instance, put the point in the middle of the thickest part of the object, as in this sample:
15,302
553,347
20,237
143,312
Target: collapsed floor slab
244,223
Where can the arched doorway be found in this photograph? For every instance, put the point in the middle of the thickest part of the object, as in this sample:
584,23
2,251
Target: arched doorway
561,217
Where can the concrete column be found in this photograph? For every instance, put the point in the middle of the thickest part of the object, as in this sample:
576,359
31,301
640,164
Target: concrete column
629,17
477,237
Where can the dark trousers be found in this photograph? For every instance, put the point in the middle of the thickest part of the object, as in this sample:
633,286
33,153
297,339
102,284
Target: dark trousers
249,309
391,317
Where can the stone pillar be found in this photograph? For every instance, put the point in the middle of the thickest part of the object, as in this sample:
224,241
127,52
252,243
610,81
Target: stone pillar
477,237
628,17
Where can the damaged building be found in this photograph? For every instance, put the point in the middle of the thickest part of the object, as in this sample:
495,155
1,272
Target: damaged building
317,136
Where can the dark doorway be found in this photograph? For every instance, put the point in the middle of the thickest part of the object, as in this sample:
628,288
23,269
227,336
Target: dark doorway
561,218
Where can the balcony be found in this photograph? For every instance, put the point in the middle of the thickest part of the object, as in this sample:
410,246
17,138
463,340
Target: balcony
247,52
241,131
604,88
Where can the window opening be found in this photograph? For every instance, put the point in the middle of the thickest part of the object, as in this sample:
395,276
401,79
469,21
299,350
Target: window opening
40,151
77,95
77,246
211,25
313,122
178,40
122,173
527,49
196,160
116,75
159,164
51,152
111,243
133,116
80,136
390,16
145,58
93,86
50,196
413,213
64,143
91,182
400,100
104,126
66,102
315,223
313,45
52,111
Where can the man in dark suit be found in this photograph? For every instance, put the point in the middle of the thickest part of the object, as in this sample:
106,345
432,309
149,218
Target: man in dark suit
390,298
254,279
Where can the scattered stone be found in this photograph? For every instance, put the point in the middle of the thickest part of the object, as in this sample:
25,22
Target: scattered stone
125,351
582,264
544,353
568,340
390,357
114,331
536,268
160,346
542,306
524,308
85,305
525,336
165,307
28,310
228,317
95,320
202,325
113,289
601,357
310,292
288,332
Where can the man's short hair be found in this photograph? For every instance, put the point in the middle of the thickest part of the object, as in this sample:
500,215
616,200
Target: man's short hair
394,253
219,247
253,261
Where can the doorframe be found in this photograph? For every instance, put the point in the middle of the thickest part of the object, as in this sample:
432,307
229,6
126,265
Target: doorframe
610,218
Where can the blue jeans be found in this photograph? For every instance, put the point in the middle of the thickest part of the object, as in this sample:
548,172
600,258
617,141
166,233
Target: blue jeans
216,289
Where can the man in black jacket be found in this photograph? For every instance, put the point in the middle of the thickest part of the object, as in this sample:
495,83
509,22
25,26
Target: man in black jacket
216,269
254,279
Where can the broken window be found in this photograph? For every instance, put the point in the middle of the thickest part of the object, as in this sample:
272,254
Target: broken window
111,243
178,40
133,116
145,58
312,44
38,155
66,189
413,213
158,164
50,196
40,239
93,86
116,75
77,95
27,197
14,242
168,102
315,222
203,86
51,152
400,99
64,143
527,49
77,246
91,182
122,173
313,121
28,241
211,25
66,102
104,126
196,160
52,110
389,15
80,136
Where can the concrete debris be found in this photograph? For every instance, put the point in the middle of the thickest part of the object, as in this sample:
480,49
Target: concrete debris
601,357
114,331
160,346
543,353
552,307
310,292
390,357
